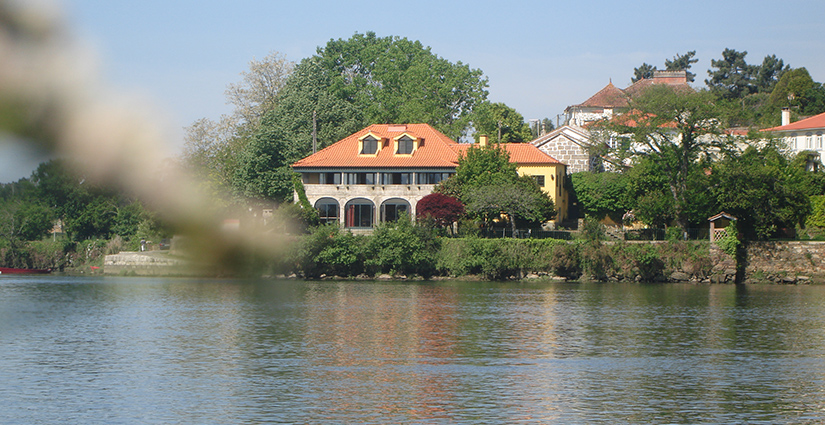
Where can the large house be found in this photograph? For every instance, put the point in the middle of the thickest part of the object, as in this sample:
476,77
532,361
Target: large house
383,170
802,135
569,143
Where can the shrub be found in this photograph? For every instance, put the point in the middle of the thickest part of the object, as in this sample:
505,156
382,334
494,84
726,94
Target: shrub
326,250
730,243
402,247
566,260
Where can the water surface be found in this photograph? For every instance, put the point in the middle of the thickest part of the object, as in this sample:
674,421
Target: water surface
167,351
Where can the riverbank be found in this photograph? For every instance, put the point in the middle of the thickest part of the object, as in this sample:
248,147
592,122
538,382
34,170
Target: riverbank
343,256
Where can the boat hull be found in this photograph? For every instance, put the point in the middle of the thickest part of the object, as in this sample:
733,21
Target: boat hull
11,270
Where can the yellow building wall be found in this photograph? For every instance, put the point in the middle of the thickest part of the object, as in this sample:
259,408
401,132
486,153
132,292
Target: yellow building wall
554,176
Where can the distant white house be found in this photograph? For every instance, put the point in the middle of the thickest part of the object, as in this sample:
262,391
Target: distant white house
803,135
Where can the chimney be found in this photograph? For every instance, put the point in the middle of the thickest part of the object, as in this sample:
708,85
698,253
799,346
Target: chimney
482,140
786,116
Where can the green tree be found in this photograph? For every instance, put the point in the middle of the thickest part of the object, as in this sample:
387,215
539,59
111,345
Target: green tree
395,80
601,194
677,130
644,71
763,189
483,167
769,73
519,199
682,63
502,123
732,77
211,148
489,185
24,220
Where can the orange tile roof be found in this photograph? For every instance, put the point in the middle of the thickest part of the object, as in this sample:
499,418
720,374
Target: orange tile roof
814,122
436,151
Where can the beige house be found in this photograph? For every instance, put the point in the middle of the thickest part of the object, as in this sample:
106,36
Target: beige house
377,173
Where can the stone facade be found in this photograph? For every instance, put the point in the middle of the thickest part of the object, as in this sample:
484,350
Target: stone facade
567,144
785,262
377,194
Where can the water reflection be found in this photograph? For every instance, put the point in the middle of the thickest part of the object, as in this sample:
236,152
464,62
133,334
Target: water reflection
207,351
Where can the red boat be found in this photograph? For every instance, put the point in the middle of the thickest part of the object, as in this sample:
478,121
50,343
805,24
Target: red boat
10,270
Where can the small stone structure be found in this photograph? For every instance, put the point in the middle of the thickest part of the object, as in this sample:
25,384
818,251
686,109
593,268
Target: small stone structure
719,225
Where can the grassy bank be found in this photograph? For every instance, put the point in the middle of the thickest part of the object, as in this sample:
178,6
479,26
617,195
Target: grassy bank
401,249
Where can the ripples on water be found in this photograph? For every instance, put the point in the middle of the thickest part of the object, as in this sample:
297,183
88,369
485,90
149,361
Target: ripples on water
134,350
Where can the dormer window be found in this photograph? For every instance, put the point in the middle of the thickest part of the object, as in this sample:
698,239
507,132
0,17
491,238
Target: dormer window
405,145
369,145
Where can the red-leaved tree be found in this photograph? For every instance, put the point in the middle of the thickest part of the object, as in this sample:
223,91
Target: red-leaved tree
441,210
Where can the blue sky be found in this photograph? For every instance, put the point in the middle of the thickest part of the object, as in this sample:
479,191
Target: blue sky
539,56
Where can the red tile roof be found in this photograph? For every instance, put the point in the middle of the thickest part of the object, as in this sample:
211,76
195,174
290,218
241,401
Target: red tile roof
434,151
610,96
613,97
814,122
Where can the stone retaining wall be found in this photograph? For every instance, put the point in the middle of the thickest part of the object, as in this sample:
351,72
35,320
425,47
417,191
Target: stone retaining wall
785,262
151,263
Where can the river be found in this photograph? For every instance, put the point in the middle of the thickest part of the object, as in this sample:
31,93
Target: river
194,351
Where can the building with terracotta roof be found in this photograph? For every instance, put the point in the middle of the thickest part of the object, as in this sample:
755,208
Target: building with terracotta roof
611,100
569,143
802,135
377,173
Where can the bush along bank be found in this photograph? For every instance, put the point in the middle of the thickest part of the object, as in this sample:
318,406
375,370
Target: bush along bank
403,250
58,255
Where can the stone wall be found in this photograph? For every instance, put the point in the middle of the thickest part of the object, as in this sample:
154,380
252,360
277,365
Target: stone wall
785,262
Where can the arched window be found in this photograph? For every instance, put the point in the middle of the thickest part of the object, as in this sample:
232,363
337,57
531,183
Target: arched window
359,213
328,211
391,209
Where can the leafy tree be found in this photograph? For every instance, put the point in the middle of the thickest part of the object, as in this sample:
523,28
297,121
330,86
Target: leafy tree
769,73
328,250
762,189
211,147
484,167
486,180
24,220
643,72
392,79
679,131
682,63
790,87
502,123
732,77
601,194
210,153
441,210
518,199
813,101
259,89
